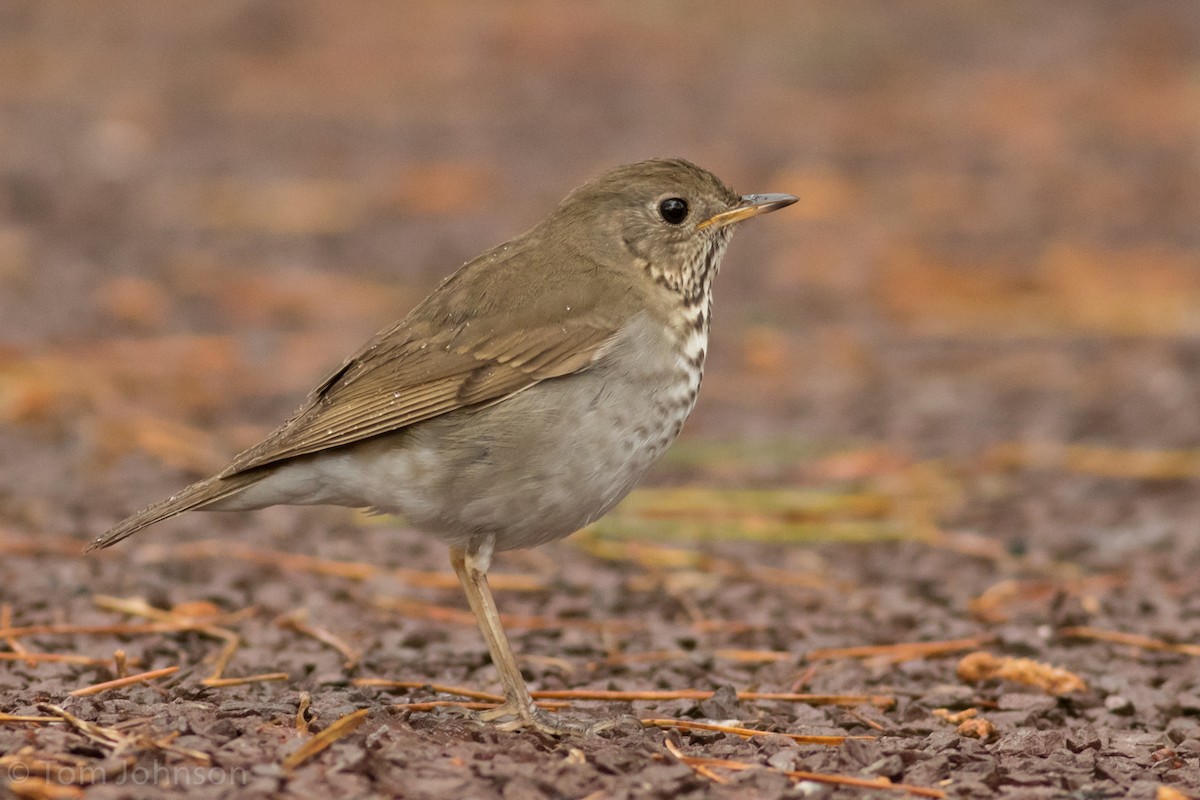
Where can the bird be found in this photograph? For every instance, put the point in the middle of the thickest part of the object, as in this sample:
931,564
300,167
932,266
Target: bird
522,399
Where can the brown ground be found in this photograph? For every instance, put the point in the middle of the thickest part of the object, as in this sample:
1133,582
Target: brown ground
952,396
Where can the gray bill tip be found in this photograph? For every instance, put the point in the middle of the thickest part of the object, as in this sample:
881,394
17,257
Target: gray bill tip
768,202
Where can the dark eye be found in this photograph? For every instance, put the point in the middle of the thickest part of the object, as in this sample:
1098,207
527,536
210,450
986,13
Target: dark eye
674,210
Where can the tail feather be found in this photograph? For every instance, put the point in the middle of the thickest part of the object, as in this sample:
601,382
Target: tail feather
198,495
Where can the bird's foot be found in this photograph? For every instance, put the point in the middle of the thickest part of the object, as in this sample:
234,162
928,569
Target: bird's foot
516,716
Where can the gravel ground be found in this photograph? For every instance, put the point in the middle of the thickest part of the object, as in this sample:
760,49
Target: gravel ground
942,480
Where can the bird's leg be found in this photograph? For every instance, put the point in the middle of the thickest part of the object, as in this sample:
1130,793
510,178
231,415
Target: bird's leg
518,710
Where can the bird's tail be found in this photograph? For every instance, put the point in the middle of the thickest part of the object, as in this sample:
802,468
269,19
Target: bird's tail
198,495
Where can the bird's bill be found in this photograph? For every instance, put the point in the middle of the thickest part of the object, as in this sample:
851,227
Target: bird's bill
751,206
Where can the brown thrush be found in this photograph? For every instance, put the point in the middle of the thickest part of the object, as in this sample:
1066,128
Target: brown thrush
523,398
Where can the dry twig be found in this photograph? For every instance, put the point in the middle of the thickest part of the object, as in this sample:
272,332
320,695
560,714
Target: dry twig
799,738
128,680
297,621
903,651
120,743
1130,639
200,617
303,722
607,695
340,727
470,705
879,784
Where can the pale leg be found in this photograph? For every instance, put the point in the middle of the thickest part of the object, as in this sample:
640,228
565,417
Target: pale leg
518,711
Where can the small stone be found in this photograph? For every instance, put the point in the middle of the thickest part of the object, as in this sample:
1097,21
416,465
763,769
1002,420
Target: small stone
1118,704
1083,739
784,760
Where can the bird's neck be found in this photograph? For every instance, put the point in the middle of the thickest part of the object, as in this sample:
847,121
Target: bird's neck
691,330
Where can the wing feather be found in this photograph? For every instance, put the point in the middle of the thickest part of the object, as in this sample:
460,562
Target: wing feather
400,379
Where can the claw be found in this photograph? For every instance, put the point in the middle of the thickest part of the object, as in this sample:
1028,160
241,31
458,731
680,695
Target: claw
512,717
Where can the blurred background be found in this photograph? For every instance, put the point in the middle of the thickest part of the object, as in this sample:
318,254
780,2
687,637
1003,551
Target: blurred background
993,271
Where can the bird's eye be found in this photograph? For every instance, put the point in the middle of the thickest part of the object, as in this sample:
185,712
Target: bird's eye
674,210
